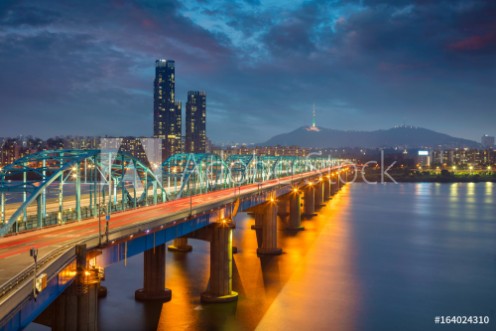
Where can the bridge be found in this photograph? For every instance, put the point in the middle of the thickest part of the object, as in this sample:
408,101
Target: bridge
82,210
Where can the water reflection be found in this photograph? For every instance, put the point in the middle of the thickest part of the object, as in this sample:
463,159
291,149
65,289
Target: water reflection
489,192
369,261
323,290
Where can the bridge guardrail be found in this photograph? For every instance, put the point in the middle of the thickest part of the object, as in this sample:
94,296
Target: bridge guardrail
62,256
19,288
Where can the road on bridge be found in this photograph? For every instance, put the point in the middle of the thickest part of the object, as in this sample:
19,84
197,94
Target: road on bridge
14,250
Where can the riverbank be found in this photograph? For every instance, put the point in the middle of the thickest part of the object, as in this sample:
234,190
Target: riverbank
427,177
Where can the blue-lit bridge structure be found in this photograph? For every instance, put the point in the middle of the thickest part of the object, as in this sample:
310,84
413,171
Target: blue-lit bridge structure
56,200
107,182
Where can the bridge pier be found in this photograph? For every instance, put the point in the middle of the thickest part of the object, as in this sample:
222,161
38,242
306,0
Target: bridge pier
283,209
295,212
319,194
268,242
154,277
309,201
76,308
335,187
327,189
180,245
220,284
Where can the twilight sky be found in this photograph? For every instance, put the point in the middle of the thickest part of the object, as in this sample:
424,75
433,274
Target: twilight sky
87,67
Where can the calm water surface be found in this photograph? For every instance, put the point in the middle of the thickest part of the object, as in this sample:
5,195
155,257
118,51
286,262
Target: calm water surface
377,257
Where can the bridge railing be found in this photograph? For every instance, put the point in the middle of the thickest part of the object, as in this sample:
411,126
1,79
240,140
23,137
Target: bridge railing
37,190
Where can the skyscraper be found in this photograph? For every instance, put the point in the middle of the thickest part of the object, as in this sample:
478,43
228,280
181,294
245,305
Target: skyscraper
166,112
196,115
487,141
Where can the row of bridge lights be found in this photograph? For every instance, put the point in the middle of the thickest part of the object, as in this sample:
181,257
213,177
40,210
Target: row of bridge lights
296,190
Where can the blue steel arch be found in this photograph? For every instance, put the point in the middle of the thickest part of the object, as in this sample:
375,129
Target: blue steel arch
190,174
33,174
195,173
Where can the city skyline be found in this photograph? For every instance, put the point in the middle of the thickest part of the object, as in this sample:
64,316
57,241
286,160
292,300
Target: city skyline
366,65
167,112
196,118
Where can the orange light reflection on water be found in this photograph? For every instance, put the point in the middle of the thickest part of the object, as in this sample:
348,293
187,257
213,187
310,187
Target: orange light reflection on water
322,290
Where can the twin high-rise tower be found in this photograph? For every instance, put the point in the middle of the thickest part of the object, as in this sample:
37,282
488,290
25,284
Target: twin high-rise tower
167,114
196,113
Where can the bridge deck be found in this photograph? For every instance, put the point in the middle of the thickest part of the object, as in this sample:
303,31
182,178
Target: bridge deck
14,250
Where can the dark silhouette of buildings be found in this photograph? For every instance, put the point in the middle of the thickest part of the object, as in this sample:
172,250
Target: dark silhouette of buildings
196,131
166,111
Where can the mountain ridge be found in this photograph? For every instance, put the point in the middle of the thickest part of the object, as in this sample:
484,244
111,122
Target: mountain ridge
405,136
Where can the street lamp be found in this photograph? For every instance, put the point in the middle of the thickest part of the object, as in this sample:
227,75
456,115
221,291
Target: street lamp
33,252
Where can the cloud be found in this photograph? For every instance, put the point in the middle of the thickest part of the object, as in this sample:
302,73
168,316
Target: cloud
365,64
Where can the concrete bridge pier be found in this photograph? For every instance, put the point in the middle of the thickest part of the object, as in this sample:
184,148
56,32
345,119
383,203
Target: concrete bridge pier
154,277
327,188
76,308
180,245
319,194
294,223
220,283
283,209
268,244
309,200
259,219
335,186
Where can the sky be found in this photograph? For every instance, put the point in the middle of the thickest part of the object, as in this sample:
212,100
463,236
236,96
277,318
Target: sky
87,67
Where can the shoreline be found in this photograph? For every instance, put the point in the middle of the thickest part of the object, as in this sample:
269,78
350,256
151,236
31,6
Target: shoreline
400,178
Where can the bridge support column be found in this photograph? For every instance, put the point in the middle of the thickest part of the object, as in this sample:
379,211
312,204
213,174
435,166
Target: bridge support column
309,201
180,245
220,283
269,230
154,277
327,189
319,194
283,209
295,212
76,308
335,186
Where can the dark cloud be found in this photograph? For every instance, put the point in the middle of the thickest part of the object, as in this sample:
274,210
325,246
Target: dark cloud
87,67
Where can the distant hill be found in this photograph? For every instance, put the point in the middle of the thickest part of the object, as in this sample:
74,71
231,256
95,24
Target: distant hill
406,136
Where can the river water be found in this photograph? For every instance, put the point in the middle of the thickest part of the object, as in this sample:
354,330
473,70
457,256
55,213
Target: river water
377,257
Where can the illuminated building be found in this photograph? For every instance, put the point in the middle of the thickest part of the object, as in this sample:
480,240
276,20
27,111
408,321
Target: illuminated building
166,111
487,141
196,131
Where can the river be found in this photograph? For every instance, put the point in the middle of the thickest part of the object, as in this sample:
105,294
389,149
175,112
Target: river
376,257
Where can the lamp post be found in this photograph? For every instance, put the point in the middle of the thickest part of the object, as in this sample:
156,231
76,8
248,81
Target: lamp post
33,252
